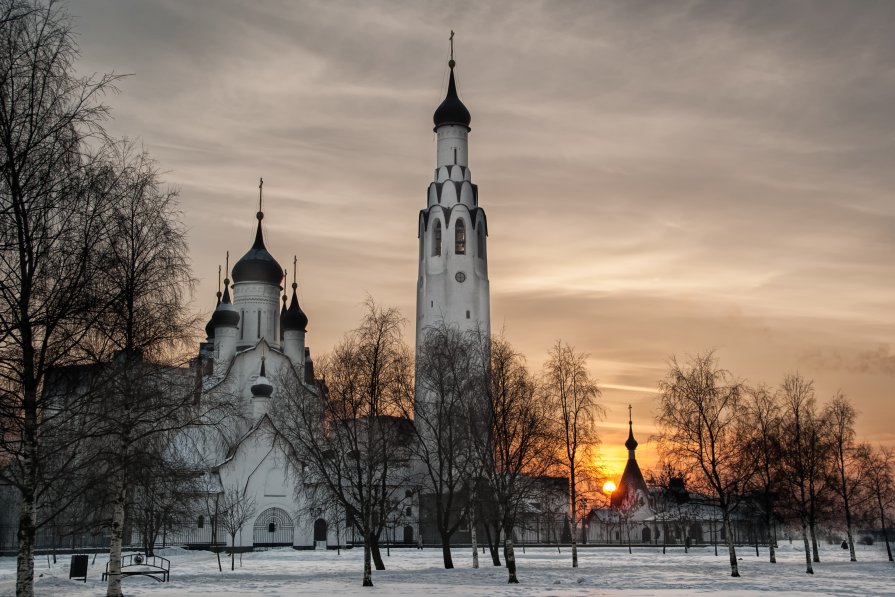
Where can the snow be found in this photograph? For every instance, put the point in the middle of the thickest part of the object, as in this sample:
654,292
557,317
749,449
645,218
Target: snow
542,571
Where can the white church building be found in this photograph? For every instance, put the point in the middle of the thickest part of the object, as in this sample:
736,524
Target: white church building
253,340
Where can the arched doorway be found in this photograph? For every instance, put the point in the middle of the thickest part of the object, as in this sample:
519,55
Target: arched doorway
408,534
319,530
273,528
696,532
645,535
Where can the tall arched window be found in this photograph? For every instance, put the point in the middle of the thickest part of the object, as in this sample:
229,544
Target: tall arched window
436,239
481,244
460,238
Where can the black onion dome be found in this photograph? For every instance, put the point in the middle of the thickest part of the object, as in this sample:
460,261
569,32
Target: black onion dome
262,388
631,444
209,327
225,315
258,265
295,319
451,110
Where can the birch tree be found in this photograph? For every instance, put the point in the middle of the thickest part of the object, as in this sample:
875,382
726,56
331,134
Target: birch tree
515,443
573,395
879,470
350,441
236,508
799,450
701,427
446,385
764,419
48,227
839,417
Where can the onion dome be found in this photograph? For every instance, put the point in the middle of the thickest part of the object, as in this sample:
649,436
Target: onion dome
451,110
225,315
283,317
295,319
262,388
631,444
209,327
258,265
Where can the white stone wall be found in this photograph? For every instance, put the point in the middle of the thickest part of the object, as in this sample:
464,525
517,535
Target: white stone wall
257,303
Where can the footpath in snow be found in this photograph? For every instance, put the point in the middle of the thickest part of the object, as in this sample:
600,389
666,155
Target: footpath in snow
603,571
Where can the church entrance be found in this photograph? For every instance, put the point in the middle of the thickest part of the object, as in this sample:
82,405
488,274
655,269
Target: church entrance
273,528
408,534
646,536
320,533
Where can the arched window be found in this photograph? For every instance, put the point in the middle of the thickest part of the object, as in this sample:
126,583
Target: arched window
201,522
436,239
460,238
481,242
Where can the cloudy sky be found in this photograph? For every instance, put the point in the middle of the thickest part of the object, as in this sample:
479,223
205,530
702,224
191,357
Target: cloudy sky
660,178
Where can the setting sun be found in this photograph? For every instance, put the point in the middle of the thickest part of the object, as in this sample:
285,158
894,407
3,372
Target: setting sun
608,487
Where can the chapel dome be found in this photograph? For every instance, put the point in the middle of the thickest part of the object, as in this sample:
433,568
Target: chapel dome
452,110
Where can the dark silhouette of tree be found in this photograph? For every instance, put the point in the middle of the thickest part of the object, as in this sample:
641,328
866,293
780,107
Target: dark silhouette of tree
515,439
351,441
839,417
49,224
764,419
877,465
447,383
701,429
572,396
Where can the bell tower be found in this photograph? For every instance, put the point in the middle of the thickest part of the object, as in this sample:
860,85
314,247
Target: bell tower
453,232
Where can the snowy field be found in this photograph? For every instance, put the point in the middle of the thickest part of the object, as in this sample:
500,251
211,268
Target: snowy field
603,571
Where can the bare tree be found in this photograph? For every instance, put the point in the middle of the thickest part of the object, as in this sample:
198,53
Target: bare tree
573,399
800,430
764,419
236,508
48,226
701,427
148,396
447,383
879,475
839,417
350,440
515,438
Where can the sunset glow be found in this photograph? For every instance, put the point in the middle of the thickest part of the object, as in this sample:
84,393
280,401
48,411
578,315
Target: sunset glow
608,487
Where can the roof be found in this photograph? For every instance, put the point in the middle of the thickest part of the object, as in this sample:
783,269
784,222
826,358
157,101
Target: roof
452,110
258,265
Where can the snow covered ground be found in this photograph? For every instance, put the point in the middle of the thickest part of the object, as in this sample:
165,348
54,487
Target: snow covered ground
602,571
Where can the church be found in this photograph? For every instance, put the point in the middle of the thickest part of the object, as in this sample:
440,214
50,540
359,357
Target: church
256,340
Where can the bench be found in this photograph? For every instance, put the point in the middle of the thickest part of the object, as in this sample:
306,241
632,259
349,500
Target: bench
138,564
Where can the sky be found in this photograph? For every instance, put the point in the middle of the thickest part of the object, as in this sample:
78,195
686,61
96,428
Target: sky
660,178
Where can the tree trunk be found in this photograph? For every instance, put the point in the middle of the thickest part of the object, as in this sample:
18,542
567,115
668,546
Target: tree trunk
368,572
734,568
769,519
848,530
492,546
510,556
809,569
472,535
232,552
446,550
113,588
374,551
573,517
815,555
25,556
882,517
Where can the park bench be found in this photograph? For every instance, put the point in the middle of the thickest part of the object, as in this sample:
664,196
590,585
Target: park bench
138,564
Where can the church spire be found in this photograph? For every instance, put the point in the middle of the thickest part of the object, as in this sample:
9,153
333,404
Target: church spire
631,444
452,111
